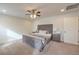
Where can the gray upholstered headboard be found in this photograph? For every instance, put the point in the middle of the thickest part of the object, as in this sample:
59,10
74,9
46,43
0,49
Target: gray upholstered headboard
47,27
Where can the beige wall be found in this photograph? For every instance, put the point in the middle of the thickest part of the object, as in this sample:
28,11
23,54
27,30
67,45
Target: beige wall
19,25
61,23
16,24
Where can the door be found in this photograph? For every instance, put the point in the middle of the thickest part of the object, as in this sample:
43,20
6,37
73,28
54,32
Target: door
71,30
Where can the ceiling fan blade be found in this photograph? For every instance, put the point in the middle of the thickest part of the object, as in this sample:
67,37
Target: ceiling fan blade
38,11
39,15
28,11
27,14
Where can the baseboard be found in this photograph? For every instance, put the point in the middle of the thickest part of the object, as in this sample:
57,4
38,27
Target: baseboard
71,43
68,43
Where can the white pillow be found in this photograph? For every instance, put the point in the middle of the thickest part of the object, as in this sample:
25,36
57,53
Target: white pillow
42,31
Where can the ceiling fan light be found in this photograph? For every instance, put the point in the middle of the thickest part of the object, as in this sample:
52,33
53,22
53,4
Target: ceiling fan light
33,16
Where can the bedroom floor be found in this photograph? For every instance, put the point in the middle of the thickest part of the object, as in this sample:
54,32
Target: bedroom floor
53,48
59,48
15,48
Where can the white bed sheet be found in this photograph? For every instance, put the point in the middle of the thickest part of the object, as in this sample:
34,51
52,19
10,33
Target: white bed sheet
45,37
42,35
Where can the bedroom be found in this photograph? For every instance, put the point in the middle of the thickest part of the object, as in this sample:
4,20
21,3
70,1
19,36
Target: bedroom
17,26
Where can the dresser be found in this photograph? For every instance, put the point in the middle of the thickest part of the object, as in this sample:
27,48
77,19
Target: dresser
56,37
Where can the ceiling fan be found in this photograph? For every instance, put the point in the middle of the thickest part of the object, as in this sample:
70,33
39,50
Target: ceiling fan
33,13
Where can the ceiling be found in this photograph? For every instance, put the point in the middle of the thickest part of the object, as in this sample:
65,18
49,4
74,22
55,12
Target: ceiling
19,9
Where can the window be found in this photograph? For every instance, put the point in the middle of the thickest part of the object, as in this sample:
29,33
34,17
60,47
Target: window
13,34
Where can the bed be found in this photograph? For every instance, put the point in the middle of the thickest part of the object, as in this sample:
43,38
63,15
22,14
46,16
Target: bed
38,40
46,37
45,31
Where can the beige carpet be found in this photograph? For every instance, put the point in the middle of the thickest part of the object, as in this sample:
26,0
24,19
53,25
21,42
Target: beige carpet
53,48
16,48
59,48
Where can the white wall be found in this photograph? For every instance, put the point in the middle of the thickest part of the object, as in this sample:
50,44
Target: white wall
61,24
16,24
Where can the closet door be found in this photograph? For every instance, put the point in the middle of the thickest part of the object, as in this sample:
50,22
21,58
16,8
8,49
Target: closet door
71,29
